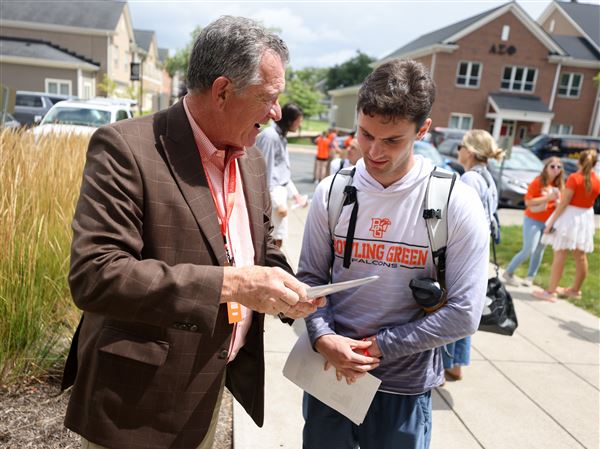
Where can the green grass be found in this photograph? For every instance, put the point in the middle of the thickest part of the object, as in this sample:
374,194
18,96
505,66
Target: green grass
314,126
590,301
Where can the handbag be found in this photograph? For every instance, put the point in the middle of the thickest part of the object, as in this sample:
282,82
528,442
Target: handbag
499,314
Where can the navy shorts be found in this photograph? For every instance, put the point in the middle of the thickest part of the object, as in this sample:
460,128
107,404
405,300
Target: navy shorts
392,421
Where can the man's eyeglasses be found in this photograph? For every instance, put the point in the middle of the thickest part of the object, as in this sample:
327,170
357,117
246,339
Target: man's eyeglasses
555,167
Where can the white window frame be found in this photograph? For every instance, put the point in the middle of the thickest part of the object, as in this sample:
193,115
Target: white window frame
116,57
47,82
468,76
551,27
511,82
461,117
505,33
570,85
561,128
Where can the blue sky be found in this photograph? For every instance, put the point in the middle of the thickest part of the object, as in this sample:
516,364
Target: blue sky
319,33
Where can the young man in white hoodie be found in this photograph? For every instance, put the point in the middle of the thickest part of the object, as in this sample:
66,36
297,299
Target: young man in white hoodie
379,327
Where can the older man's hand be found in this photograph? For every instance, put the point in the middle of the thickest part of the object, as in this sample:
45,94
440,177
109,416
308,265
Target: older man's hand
267,290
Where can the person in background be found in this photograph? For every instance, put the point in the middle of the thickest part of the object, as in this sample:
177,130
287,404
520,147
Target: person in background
380,327
476,148
571,228
334,148
349,140
172,259
348,157
543,193
322,158
272,143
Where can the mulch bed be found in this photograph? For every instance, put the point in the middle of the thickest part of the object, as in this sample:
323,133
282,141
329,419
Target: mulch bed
32,417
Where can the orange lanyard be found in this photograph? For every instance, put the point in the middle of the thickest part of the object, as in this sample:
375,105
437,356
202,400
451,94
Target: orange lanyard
229,196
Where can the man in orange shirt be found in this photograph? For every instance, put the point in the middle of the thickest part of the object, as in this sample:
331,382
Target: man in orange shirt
323,144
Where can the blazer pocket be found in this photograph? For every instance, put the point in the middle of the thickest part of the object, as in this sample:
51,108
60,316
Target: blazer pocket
123,344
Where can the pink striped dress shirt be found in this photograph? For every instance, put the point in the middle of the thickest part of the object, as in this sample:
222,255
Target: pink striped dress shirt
216,164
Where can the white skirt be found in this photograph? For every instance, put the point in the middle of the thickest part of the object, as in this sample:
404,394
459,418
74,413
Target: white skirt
574,229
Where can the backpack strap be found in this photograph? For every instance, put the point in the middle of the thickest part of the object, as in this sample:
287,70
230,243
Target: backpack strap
337,195
342,193
435,212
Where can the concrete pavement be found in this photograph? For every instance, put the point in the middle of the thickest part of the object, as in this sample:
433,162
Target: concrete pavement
537,389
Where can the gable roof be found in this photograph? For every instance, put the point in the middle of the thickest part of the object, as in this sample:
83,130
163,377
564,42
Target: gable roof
517,102
99,15
163,54
439,36
577,47
143,38
12,48
447,36
586,16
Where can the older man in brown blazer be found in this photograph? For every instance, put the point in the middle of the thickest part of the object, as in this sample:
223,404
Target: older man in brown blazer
172,260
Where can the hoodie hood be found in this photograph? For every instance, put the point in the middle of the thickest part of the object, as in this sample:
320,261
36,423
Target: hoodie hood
364,182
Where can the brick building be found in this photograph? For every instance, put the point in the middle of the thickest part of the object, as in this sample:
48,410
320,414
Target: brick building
504,72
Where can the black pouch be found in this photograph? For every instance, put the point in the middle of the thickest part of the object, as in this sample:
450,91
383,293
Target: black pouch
499,314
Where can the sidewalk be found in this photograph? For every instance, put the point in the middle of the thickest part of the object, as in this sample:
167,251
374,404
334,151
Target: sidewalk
537,389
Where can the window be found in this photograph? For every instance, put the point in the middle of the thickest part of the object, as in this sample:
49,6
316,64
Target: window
505,33
518,79
116,58
559,128
122,115
552,23
32,101
570,85
460,121
469,74
61,87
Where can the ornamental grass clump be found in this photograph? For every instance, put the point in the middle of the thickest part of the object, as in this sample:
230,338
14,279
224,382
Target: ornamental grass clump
39,185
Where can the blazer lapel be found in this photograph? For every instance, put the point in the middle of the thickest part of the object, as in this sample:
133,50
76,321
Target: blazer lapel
182,155
253,205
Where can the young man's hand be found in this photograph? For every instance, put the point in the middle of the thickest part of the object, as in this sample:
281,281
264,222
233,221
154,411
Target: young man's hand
344,355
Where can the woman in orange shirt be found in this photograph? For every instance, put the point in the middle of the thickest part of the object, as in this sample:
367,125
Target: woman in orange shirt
541,198
571,228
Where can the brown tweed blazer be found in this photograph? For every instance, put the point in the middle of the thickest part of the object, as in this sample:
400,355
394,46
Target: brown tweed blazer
146,269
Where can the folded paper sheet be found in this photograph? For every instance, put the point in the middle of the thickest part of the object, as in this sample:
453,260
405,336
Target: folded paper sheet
304,367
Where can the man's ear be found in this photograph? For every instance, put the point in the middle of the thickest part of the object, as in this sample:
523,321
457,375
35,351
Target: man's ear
221,89
424,128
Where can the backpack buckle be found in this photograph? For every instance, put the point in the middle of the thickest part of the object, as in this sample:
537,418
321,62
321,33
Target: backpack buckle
432,213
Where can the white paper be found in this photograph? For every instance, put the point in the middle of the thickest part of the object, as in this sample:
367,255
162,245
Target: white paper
328,289
304,367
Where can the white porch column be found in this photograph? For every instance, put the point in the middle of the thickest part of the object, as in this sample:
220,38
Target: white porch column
546,126
79,83
497,128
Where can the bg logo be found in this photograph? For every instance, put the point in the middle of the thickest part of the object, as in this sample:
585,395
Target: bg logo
379,226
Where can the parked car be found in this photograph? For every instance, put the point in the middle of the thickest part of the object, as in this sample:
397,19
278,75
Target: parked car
439,135
10,122
30,107
80,117
560,145
430,152
517,174
449,151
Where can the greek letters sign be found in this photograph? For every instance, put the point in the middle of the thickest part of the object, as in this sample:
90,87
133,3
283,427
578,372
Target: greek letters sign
503,49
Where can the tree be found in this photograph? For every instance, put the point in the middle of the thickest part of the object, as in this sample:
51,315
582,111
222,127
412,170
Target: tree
181,59
300,92
351,72
107,86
